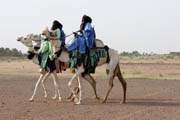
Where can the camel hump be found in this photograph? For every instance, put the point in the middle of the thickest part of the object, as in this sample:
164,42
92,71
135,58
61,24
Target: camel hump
99,43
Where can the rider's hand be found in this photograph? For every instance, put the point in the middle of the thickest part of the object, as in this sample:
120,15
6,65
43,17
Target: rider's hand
79,31
75,34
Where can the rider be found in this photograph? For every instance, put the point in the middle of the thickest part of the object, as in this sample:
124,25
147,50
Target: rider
57,34
83,41
88,31
46,57
58,31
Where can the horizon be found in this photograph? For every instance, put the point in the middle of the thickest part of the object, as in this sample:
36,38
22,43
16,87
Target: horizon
143,26
152,53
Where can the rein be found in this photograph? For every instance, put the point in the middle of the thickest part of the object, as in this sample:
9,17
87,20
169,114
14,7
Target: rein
70,35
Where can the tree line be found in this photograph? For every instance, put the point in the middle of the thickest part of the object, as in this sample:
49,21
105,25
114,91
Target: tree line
10,52
136,53
17,53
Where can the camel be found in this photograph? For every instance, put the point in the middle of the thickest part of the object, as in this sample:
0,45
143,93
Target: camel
112,70
36,39
43,75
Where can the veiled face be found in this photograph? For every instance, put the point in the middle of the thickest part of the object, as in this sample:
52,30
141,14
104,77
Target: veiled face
46,32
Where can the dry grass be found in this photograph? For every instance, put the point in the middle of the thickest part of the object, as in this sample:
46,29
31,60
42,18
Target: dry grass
131,68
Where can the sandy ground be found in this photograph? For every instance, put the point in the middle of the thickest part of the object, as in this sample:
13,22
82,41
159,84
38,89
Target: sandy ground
147,99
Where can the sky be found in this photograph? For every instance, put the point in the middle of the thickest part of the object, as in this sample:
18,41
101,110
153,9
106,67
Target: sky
125,25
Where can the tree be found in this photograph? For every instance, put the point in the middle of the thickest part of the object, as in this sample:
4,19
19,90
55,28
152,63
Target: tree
10,52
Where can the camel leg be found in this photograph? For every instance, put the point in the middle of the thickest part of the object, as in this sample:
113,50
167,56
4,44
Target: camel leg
111,78
55,89
80,89
79,71
70,86
37,84
76,89
55,78
123,82
111,70
71,97
92,82
42,82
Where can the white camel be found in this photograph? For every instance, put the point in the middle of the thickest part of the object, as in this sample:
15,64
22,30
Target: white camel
113,69
43,76
33,42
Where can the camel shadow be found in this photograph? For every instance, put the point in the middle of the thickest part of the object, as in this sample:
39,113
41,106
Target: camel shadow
138,102
154,102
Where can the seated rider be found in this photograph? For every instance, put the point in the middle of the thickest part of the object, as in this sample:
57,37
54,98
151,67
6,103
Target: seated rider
57,33
57,36
83,41
46,57
88,31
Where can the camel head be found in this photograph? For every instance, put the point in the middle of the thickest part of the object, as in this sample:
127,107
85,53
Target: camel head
33,42
25,41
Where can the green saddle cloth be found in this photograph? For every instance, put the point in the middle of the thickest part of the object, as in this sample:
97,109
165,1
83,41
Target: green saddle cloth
90,61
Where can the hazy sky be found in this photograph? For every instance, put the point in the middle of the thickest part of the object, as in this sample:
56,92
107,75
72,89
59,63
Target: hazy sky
125,25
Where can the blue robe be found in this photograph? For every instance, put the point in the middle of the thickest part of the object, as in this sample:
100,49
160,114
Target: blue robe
78,43
89,35
83,40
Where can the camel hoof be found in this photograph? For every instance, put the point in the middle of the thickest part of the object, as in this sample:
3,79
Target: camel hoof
54,97
96,98
77,103
31,100
60,99
104,101
122,102
45,96
76,100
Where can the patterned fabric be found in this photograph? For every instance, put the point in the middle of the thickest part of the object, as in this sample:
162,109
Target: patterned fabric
90,61
101,52
50,64
73,59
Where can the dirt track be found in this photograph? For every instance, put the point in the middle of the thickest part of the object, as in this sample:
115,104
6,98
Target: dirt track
146,100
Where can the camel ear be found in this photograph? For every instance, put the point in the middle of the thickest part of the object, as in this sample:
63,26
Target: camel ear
29,35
